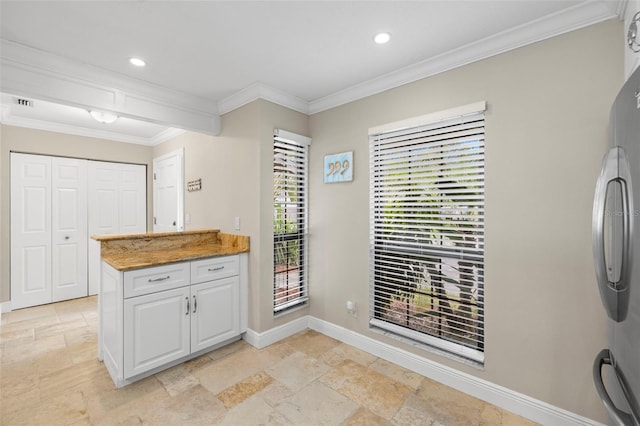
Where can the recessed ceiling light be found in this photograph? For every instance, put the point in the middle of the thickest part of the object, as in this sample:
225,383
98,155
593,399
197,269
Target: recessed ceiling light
137,62
382,38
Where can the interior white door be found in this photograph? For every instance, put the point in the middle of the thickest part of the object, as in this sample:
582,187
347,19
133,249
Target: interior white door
30,230
168,192
69,228
132,203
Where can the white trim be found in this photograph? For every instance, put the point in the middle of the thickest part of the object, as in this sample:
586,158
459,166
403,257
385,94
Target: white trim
51,126
570,19
431,118
262,91
30,72
292,137
5,307
273,335
515,402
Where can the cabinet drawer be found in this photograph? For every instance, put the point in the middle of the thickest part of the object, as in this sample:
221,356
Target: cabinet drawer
214,268
157,278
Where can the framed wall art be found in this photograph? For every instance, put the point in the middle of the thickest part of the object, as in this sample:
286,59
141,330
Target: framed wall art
338,167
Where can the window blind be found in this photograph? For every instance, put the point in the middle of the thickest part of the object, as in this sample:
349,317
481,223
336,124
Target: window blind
290,206
427,230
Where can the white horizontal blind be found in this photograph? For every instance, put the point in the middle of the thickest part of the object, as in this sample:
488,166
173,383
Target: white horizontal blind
290,205
427,233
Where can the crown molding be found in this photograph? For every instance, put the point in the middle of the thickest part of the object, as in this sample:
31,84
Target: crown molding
38,74
260,90
579,16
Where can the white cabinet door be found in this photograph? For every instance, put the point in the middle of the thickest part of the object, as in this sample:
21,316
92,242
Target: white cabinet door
69,228
215,317
30,230
156,330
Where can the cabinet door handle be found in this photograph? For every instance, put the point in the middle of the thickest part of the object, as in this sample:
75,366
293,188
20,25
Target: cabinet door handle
195,304
155,280
187,299
219,268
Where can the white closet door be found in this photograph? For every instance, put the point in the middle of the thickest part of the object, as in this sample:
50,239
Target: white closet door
30,230
117,205
103,198
69,228
133,198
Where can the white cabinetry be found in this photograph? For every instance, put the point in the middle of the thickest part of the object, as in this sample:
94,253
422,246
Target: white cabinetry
155,317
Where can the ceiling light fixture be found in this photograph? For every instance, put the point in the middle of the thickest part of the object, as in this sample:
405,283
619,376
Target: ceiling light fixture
137,62
382,38
103,116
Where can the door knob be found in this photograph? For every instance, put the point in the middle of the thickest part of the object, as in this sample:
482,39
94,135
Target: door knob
174,223
66,237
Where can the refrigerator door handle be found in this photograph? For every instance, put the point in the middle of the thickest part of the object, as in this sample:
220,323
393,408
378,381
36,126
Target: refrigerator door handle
614,291
618,416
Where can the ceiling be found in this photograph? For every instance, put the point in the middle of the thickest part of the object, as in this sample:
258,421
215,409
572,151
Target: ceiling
307,55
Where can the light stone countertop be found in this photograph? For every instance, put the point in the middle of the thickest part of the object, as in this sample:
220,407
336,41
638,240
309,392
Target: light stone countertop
126,252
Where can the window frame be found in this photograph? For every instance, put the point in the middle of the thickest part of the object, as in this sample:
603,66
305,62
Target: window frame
393,272
290,152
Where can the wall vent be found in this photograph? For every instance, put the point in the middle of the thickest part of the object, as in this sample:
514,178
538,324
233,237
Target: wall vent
24,102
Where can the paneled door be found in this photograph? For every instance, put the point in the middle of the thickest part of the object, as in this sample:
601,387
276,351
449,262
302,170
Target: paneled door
30,230
69,228
117,205
168,192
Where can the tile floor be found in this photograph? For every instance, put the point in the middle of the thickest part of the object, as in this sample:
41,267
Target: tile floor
49,375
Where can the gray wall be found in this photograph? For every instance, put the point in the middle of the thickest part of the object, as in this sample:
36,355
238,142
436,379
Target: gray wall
546,131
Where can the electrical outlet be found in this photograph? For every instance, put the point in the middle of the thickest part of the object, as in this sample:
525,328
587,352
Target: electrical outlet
236,223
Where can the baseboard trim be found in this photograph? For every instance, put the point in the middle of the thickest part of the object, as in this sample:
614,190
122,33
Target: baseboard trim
5,307
518,403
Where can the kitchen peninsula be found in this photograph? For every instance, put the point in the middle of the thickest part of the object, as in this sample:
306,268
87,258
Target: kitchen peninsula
168,297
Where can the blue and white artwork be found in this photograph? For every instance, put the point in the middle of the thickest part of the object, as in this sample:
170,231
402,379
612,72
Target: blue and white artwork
338,167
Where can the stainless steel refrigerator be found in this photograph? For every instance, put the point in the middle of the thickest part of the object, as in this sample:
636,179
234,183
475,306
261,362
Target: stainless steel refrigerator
616,247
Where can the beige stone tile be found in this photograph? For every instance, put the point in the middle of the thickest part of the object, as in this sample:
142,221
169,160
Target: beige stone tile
197,363
445,405
275,393
18,378
317,404
414,413
81,335
229,349
195,406
297,370
12,401
244,389
17,336
129,405
495,416
17,330
254,411
343,351
32,350
59,328
364,417
66,408
113,405
27,314
78,377
395,372
375,391
177,379
311,342
229,370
